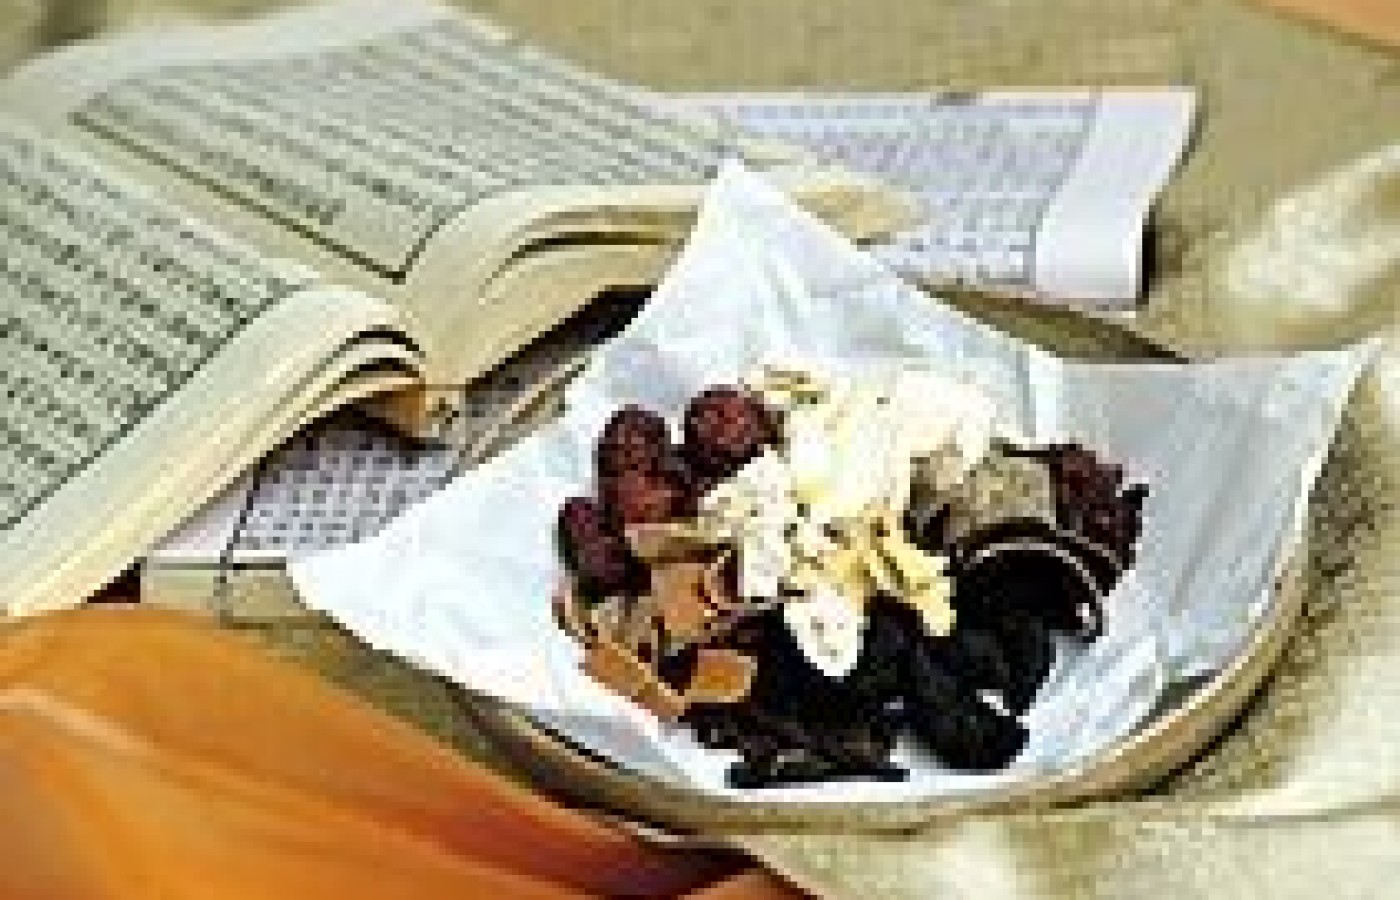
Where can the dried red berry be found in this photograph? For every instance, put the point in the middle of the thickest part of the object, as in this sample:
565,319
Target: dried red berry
725,427
637,497
595,552
634,438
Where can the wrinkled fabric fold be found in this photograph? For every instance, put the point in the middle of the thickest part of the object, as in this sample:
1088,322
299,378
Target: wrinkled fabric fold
145,754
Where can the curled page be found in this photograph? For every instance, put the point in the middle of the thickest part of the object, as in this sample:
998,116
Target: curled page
461,584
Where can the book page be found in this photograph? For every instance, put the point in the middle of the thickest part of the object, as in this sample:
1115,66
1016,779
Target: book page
144,358
395,145
371,149
111,304
1043,193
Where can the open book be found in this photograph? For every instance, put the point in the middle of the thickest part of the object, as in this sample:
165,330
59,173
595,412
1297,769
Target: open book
212,235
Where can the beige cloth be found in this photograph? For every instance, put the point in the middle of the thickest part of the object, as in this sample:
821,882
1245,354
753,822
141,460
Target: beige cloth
21,26
1302,799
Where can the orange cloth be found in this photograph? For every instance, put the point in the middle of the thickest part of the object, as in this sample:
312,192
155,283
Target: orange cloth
1375,20
146,754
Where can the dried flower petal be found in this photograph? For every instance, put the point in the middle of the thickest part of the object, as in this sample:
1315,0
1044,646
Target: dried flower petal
826,626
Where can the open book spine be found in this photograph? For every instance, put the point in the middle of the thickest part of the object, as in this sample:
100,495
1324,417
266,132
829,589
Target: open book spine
348,476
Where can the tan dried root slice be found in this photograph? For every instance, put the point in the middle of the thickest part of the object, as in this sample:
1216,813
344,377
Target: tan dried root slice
687,580
680,592
664,542
721,676
717,589
617,668
688,603
623,620
619,634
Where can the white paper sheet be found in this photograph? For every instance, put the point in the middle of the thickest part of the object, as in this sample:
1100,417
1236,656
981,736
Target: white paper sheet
1044,193
461,584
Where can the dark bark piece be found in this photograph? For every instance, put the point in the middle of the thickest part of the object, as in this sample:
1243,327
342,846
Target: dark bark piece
959,728
799,768
637,497
594,551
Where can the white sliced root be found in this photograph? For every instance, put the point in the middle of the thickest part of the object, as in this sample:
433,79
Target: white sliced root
827,628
